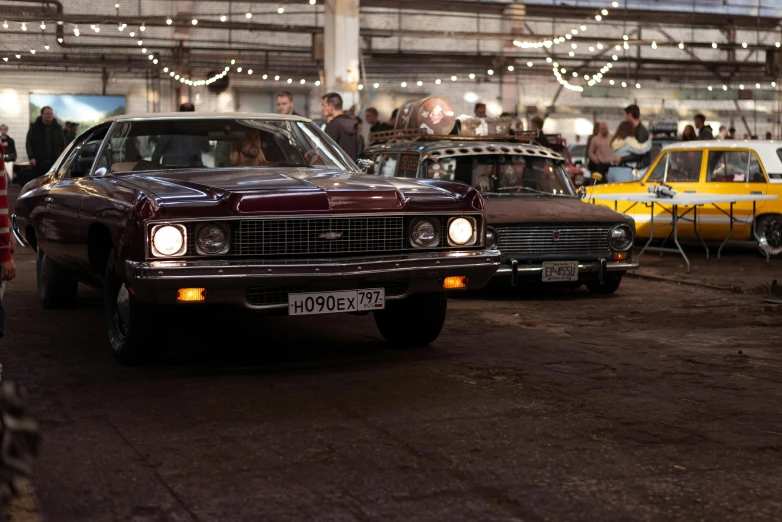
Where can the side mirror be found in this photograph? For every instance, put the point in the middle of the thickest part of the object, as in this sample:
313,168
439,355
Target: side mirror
582,192
366,166
100,172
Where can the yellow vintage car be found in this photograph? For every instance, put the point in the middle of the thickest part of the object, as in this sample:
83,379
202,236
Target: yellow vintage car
710,167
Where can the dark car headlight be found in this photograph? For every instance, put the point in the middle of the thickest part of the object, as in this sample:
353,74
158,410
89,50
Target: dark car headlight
212,238
424,233
621,238
492,239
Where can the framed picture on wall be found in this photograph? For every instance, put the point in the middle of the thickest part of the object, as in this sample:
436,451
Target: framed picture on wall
84,110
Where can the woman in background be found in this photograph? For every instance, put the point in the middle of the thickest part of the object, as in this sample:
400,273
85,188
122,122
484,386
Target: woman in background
689,133
625,145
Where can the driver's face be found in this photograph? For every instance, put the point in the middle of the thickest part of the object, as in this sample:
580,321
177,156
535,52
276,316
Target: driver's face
252,145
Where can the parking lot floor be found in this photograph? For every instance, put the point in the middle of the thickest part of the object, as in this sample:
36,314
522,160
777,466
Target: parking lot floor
661,402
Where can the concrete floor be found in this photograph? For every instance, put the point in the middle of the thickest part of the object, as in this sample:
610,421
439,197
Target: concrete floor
659,403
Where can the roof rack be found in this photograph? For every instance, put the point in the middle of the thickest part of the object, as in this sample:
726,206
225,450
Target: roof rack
422,135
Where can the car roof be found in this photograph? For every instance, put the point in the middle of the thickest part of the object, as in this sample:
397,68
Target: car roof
424,147
204,115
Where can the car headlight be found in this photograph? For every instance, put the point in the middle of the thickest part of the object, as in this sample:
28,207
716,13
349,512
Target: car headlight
492,239
461,231
423,233
211,238
169,240
620,238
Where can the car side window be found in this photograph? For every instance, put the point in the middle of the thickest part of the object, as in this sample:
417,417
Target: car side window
385,164
684,166
80,162
658,174
734,167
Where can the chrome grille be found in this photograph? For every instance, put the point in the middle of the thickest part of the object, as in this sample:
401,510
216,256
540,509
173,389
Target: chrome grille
262,237
538,241
266,296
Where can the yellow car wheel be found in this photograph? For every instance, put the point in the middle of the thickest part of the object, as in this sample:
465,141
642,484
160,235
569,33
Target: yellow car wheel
768,232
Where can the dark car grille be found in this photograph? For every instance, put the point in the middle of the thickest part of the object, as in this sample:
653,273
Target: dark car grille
539,241
263,237
265,296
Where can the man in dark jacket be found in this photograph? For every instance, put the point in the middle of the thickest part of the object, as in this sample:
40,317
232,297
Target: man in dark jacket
373,118
9,146
341,127
45,142
637,161
703,131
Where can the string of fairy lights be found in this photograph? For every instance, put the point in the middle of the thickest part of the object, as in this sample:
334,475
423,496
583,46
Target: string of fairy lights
574,80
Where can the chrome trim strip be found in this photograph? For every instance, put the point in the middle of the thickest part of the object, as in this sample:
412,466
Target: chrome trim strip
589,267
15,229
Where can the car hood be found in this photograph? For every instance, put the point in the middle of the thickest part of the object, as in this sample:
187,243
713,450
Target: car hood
545,209
298,190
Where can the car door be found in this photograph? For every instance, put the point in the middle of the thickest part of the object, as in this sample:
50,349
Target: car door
63,241
682,171
732,171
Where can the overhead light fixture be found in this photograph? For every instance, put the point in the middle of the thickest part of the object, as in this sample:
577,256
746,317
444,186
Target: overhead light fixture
437,81
403,84
654,44
233,62
583,28
169,21
140,42
32,51
599,45
724,87
637,85
116,6
376,85
18,56
194,21
165,69
59,40
360,87
248,15
76,31
43,25
238,69
265,76
598,18
277,78
575,75
511,68
24,26
472,76
681,45
290,80
317,83
744,45
280,9
571,54
778,44
529,64
614,57
773,84
574,46
490,72
757,86
155,61
5,24
453,78
142,28
46,47
624,84
615,4
312,2
611,82
144,50
223,18
709,87
132,34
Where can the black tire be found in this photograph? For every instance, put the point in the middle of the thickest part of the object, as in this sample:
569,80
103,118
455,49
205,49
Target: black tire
768,233
610,284
133,338
56,287
415,321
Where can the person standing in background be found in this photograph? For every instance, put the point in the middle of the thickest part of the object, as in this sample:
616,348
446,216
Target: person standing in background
341,127
70,132
641,133
480,110
702,131
7,244
373,118
45,142
536,124
392,119
600,152
285,103
9,146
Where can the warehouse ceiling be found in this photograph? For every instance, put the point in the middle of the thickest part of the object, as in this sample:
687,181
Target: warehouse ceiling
687,43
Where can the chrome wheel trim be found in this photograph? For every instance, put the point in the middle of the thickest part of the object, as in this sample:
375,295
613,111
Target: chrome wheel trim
122,311
769,236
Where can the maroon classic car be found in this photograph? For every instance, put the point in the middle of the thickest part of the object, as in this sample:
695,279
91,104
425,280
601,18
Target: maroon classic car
256,211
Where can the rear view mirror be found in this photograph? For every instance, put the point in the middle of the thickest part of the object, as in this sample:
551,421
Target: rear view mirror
366,166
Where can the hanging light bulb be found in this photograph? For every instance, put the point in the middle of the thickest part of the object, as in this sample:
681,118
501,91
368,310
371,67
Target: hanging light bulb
142,28
194,21
46,47
32,51
744,45
615,4
140,42
277,78
599,45
724,87
312,2
614,57
18,56
132,34
511,68
248,15
710,88
376,85
419,83
741,86
280,9
529,64
317,83
604,12
360,87
624,84
598,18
155,61
223,18
714,45
778,44
654,44
472,76
5,24
290,80
757,86
453,78
76,30
490,72
575,75
43,25
238,69
24,26
265,76
59,40
681,45
611,82
773,84
169,21
403,84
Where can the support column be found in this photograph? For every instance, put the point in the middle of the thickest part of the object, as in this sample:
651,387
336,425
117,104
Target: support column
513,22
341,47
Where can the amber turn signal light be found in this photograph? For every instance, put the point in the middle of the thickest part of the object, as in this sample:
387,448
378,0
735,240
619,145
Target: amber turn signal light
191,294
618,256
451,283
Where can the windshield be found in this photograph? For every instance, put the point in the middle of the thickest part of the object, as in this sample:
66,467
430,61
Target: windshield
503,174
220,143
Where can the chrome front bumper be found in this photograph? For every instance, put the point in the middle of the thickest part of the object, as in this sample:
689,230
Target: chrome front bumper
597,268
228,282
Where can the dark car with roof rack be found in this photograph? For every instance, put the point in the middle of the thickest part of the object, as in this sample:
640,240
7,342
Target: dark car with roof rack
544,232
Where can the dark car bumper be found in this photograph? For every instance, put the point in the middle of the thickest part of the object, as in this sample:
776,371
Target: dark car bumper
595,270
265,285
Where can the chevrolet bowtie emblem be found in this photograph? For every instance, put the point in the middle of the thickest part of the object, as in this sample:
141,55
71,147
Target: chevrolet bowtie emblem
330,235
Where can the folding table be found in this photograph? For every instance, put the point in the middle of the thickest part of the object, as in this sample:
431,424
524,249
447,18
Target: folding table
687,200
